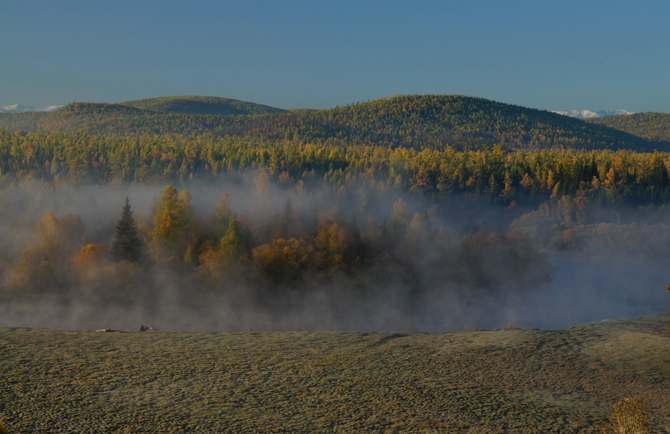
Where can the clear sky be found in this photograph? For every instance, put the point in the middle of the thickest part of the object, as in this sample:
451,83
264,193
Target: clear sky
550,55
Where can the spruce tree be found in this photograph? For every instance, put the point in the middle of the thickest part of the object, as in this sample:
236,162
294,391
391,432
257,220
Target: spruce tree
126,244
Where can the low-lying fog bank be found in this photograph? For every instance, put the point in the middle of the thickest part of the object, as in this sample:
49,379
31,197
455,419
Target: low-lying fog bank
250,254
582,290
585,290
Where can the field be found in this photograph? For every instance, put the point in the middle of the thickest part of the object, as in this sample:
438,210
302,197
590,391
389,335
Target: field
507,380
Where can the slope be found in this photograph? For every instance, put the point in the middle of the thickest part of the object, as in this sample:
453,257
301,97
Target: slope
435,120
416,121
477,382
654,127
201,105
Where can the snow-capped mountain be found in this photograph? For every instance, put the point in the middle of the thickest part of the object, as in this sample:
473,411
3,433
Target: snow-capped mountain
587,114
17,108
24,108
52,108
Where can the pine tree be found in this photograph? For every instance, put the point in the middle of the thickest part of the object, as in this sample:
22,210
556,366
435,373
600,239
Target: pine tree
126,245
289,221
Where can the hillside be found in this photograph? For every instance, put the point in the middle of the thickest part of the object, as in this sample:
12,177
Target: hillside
435,120
22,121
476,382
201,105
654,127
416,121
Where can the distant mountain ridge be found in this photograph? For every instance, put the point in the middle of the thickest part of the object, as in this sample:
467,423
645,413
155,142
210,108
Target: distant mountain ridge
25,108
201,105
416,121
654,127
191,105
588,114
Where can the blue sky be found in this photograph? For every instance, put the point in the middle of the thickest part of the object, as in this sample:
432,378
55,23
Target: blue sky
549,55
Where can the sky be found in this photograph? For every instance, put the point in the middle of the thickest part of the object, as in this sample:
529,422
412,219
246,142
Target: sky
596,55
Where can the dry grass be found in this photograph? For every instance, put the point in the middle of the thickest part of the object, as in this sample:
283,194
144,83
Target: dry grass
498,381
630,416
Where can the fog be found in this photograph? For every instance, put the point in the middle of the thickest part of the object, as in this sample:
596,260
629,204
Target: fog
380,297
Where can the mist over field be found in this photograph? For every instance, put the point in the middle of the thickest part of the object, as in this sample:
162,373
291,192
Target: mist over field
475,282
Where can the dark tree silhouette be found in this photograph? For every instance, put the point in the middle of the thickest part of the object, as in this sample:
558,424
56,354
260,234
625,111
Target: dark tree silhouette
126,245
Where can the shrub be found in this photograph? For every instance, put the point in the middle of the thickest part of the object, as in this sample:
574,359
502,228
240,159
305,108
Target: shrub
629,417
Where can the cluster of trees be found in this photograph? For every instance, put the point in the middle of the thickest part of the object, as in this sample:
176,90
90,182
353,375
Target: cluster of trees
354,158
494,175
418,121
571,224
287,252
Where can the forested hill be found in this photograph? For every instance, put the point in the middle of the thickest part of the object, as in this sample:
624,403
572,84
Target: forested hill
436,120
654,127
416,121
201,105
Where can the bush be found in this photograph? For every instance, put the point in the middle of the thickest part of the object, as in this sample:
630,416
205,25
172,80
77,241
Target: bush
629,417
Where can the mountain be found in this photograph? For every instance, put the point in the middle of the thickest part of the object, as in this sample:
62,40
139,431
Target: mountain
436,120
201,105
23,108
654,127
587,114
17,108
49,109
416,121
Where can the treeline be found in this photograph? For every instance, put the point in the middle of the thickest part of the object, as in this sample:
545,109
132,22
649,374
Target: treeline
402,255
415,121
493,175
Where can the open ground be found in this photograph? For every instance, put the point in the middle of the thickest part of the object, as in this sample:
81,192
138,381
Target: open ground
507,380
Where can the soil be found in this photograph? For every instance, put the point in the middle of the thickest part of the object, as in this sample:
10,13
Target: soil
509,380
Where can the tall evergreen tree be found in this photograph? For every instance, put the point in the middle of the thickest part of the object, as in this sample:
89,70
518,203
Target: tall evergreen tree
126,245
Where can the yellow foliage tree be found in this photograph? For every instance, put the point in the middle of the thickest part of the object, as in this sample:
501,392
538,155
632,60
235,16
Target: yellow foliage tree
169,234
48,263
336,244
283,260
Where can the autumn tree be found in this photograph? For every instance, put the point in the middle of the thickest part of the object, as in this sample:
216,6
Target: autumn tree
218,266
222,214
90,256
336,245
60,238
168,236
399,217
49,263
419,227
231,244
190,226
283,260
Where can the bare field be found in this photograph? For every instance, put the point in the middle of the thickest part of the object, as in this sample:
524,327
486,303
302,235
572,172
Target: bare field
478,382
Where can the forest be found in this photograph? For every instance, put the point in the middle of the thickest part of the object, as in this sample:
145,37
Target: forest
491,174
413,121
654,127
201,105
274,220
